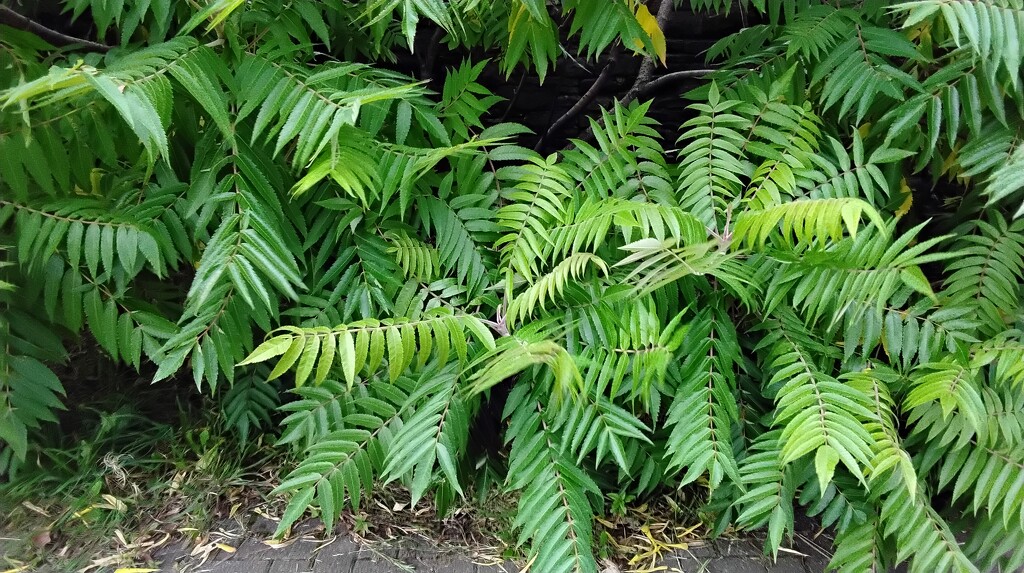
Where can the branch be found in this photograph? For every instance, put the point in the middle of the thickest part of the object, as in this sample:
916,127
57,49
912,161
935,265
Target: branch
583,102
643,77
16,20
660,82
515,97
645,82
647,66
427,68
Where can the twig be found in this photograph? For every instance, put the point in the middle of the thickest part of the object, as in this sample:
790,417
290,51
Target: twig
578,63
16,20
515,97
662,81
647,66
643,77
583,102
427,68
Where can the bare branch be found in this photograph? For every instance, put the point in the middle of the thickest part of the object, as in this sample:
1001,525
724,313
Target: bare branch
583,102
662,81
16,20
643,77
427,67
644,84
515,97
647,66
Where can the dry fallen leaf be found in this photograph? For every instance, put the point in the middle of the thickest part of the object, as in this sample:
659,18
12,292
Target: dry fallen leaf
41,539
33,507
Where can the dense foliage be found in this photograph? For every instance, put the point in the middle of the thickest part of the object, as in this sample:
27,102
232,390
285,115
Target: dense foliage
812,303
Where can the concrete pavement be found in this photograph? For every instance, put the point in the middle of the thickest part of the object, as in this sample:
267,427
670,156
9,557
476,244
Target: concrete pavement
343,555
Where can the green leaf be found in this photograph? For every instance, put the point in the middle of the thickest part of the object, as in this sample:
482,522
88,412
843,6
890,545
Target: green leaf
276,346
915,279
14,433
293,511
825,461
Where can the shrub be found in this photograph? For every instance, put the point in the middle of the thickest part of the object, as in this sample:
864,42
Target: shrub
781,310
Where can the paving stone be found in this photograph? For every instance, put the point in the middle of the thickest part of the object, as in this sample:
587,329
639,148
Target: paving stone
170,560
253,549
682,563
301,550
701,550
365,565
377,553
420,559
812,542
342,544
816,564
737,548
506,567
806,525
337,549
736,565
217,559
457,567
343,555
427,559
787,565
336,564
236,566
338,557
289,566
172,551
262,527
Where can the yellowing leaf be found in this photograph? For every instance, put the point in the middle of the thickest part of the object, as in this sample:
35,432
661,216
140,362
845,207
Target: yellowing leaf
79,514
908,202
224,9
650,25
135,570
226,548
112,503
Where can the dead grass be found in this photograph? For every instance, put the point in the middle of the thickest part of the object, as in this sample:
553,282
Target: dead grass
122,527
113,496
126,485
633,541
209,518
